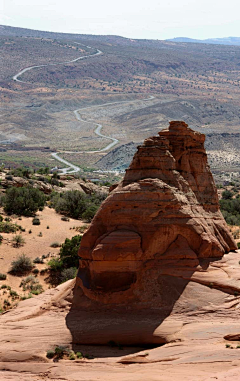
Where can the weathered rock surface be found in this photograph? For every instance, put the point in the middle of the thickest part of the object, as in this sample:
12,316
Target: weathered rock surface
20,182
155,270
163,218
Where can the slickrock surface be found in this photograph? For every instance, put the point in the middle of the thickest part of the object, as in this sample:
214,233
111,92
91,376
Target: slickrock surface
158,268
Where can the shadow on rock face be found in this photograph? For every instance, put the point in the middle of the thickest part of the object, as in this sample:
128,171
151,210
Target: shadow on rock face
143,322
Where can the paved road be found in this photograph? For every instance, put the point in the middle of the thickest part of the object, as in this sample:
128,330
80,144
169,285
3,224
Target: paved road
72,168
15,77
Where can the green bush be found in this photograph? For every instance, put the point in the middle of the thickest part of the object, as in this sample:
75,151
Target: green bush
21,172
60,351
38,260
8,227
230,209
69,251
1,238
75,203
13,294
3,276
72,356
69,273
55,264
18,241
21,265
89,213
55,244
23,201
32,284
36,221
227,195
50,354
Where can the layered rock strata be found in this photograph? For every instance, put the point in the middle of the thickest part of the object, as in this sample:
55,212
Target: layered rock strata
163,215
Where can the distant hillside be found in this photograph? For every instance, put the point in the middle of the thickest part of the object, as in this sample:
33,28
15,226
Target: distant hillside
222,149
219,41
119,158
6,30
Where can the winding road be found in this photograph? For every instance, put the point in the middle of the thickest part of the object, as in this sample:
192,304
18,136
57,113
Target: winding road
15,77
71,168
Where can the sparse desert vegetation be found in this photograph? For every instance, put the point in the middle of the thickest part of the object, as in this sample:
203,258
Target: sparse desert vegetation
39,247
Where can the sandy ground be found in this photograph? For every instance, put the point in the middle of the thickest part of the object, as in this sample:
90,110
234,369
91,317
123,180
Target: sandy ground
35,245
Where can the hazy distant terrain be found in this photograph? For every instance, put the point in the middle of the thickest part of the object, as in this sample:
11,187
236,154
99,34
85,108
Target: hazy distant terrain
220,41
157,80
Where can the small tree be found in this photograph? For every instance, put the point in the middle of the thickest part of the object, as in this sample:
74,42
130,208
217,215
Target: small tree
23,201
69,251
227,195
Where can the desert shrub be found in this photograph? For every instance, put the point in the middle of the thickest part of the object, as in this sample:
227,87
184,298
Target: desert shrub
35,271
69,251
81,229
21,172
32,284
40,234
36,221
227,195
1,218
38,260
9,177
230,209
89,213
238,245
75,203
59,352
64,218
55,244
13,294
8,227
21,265
69,273
23,201
72,356
55,264
65,266
1,238
44,171
3,276
50,354
18,241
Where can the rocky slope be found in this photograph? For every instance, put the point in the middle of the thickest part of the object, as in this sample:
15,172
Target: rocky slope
154,270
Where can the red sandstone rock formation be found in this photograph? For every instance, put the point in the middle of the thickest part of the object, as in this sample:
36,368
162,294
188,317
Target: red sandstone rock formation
165,213
153,272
